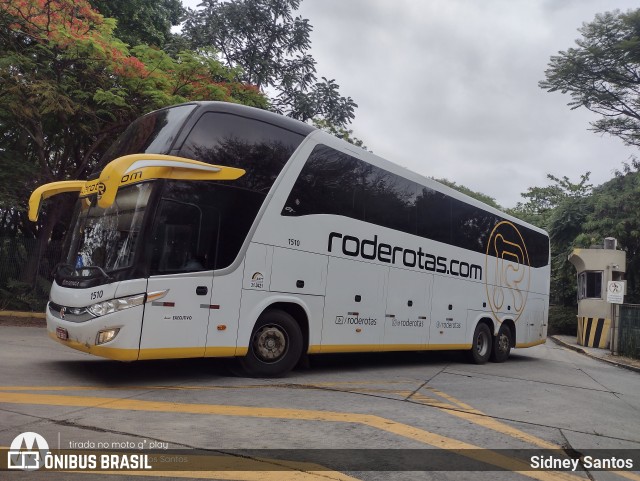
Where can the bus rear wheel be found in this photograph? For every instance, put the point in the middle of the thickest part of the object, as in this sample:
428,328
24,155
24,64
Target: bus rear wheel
502,344
275,345
481,345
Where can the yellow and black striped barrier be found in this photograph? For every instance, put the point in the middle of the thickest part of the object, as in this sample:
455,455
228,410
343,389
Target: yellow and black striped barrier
593,332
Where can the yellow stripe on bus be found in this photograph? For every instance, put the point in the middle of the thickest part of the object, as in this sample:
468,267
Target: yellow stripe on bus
120,354
102,351
338,348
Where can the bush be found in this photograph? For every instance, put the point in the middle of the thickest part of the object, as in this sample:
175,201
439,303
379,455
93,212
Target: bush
563,320
20,296
15,294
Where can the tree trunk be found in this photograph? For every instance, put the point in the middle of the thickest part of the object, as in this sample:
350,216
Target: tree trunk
29,273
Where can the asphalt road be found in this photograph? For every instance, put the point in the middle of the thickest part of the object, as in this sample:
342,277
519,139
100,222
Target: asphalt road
364,417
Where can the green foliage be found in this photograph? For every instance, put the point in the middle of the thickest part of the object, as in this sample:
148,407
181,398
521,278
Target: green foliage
261,36
562,209
69,87
269,47
542,201
15,174
601,73
142,21
16,294
578,215
613,212
563,320
476,195
21,296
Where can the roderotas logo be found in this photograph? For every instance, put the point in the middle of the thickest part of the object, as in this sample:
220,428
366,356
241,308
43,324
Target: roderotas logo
27,452
508,269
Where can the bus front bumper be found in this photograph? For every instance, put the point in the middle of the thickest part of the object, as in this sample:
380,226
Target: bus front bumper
83,336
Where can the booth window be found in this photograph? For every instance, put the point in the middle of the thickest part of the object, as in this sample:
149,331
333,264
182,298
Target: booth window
590,285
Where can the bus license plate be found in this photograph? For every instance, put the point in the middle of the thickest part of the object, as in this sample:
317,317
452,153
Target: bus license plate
62,333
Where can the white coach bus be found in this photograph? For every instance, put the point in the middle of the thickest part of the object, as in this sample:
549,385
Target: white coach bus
217,230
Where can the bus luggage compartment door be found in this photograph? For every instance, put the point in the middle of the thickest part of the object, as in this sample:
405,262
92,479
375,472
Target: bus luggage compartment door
408,306
451,297
354,306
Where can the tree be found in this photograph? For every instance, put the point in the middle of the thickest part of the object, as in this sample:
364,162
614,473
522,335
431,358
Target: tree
146,22
542,201
613,212
68,87
603,73
561,208
269,47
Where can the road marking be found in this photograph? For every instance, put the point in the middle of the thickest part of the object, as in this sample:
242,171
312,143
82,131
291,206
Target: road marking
627,474
136,388
400,429
454,406
476,416
203,388
362,383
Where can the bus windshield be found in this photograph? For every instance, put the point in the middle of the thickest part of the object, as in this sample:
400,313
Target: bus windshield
108,238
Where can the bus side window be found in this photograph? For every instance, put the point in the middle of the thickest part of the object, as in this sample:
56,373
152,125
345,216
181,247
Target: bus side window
262,149
176,235
331,182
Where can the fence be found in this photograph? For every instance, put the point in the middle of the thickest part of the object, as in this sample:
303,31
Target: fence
629,330
15,254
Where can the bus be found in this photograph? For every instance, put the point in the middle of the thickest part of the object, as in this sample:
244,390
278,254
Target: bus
211,229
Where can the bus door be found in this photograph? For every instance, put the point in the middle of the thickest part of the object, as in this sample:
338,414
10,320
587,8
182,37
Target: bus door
406,324
175,325
354,306
180,319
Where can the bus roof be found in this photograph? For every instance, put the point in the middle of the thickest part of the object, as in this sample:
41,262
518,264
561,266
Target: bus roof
259,114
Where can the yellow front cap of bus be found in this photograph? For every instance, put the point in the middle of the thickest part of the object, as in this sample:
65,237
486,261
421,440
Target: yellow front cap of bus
48,190
130,169
134,168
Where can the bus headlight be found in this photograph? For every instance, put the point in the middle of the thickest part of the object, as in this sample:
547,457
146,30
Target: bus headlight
106,335
115,305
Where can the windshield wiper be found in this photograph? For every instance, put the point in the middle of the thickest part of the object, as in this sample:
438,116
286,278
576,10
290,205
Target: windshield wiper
72,271
63,265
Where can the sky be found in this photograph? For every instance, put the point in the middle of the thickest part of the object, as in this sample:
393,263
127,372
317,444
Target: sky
449,88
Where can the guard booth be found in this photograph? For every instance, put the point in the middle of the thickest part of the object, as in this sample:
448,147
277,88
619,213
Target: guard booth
596,268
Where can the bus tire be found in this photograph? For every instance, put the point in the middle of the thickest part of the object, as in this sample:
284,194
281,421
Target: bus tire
502,344
275,345
481,344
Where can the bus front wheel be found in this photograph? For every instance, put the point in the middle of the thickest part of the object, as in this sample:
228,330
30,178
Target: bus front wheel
275,345
481,346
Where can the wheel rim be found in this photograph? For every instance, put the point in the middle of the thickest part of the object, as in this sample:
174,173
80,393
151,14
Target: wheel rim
503,343
270,343
482,344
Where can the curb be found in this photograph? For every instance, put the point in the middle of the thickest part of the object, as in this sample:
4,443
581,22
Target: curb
598,358
37,315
